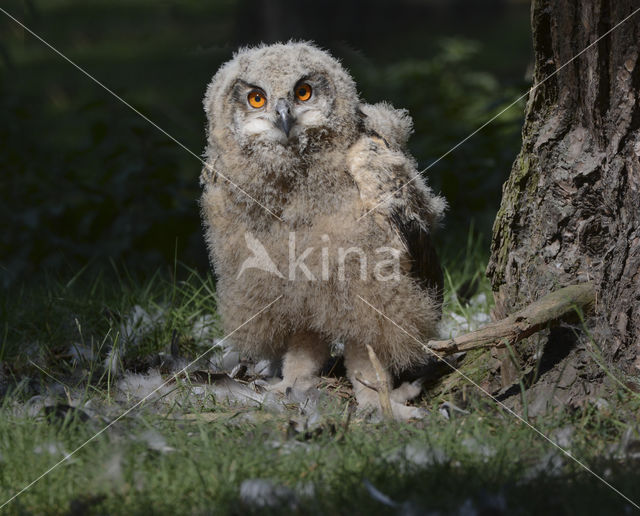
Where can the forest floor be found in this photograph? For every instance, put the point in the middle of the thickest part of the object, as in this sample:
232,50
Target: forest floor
82,430
87,373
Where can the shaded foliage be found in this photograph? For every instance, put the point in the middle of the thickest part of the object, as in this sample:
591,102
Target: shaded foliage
448,99
84,178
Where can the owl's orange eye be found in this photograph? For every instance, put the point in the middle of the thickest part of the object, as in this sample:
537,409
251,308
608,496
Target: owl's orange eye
303,92
256,99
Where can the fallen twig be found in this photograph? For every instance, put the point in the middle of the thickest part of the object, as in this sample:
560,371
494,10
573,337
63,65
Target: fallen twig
367,384
384,389
546,311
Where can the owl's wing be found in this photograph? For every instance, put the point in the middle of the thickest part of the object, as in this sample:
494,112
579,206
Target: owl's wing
425,265
394,126
394,193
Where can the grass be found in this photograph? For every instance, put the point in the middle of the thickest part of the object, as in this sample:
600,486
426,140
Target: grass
186,453
435,465
54,318
181,453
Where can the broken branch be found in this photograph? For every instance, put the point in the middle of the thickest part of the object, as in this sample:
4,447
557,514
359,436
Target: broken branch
547,311
384,389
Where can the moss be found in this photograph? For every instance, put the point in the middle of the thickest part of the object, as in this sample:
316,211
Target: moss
477,366
521,185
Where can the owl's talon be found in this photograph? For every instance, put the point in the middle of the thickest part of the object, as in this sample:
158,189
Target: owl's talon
406,392
405,412
400,412
279,387
299,384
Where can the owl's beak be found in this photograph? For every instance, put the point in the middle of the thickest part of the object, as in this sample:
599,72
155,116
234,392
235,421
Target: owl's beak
284,120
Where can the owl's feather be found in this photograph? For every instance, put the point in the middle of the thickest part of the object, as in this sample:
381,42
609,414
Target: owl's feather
342,179
414,225
389,183
393,125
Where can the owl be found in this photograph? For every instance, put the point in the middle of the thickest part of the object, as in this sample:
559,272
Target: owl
317,222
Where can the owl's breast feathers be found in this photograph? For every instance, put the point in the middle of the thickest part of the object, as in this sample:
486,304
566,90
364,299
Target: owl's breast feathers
394,193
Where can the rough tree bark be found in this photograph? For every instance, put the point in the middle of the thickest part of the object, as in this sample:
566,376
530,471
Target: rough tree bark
570,209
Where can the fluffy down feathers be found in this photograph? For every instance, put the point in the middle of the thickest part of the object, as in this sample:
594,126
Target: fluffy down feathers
393,125
342,191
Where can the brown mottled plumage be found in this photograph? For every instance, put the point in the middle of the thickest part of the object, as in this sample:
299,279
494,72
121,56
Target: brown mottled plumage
340,159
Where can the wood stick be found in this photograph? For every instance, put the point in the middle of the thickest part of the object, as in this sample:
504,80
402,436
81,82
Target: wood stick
384,389
547,311
367,384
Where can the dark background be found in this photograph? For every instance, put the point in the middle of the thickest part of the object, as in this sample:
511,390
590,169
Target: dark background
84,180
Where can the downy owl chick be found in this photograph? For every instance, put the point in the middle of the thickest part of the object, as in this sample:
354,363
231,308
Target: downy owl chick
314,211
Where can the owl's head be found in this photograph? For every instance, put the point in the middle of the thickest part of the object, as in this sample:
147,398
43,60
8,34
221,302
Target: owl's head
281,99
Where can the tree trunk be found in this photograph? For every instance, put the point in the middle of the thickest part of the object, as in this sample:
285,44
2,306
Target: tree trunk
570,209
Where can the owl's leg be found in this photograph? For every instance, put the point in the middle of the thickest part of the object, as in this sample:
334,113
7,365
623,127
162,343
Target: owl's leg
306,353
361,373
